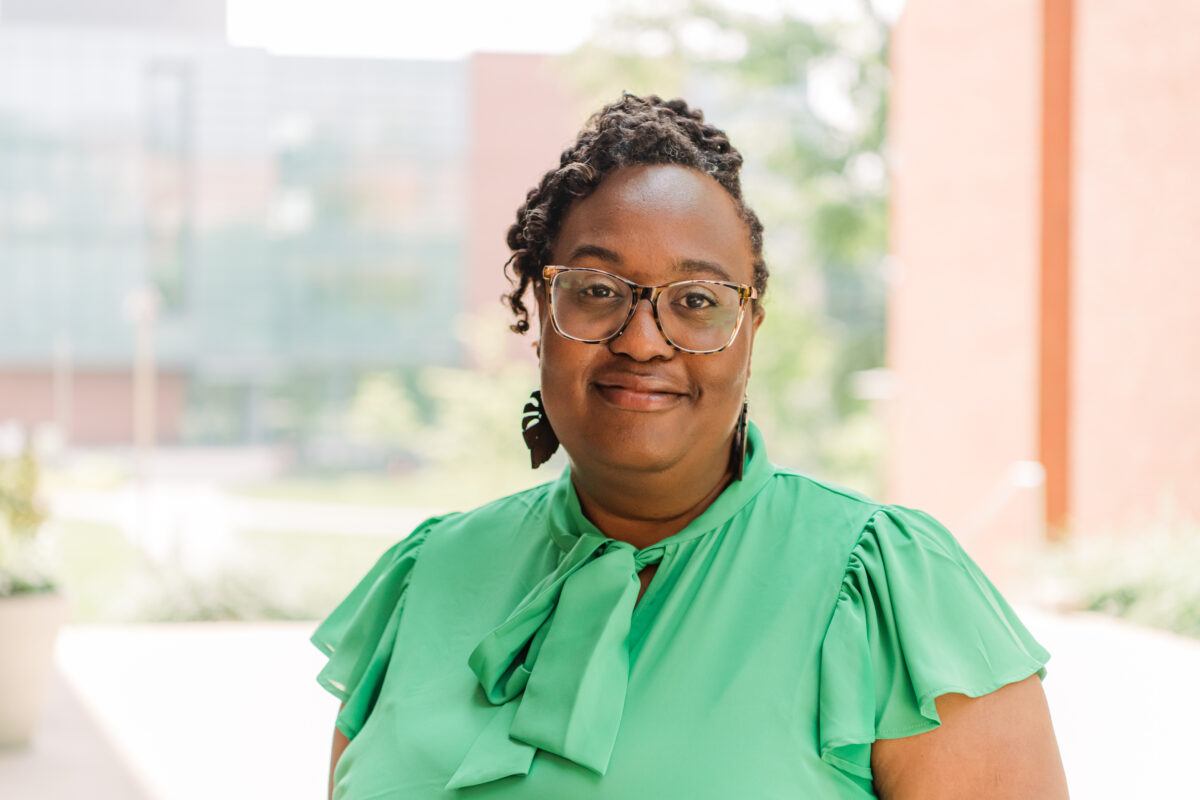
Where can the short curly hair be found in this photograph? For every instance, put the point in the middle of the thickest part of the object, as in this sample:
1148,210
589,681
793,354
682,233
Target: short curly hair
632,131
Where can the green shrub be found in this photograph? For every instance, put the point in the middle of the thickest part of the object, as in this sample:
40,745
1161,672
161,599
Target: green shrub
1149,575
21,517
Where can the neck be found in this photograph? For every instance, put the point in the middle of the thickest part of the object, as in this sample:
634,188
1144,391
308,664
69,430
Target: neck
643,509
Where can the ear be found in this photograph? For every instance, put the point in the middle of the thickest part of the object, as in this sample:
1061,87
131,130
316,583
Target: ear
543,309
759,314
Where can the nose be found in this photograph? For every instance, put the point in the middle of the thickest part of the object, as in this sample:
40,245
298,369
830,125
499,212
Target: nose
642,340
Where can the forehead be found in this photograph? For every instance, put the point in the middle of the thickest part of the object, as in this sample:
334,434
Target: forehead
656,224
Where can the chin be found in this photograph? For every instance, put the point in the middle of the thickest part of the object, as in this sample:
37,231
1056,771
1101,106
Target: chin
632,448
631,464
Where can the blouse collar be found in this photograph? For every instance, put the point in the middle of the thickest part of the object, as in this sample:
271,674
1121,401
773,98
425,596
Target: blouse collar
568,522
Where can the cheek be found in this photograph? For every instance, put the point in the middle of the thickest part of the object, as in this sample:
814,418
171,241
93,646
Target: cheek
562,366
728,375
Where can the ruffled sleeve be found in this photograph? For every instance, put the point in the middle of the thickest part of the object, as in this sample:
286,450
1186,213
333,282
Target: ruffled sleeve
359,635
915,619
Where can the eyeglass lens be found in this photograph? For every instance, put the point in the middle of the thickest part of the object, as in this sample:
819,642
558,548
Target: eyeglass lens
694,315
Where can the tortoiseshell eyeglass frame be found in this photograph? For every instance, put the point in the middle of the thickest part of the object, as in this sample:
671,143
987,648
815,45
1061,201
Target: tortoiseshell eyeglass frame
650,293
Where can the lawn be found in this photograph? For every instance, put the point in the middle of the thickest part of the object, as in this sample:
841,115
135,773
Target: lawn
267,575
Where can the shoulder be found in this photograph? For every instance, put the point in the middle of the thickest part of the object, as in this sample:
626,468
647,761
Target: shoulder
516,505
855,525
907,534
789,482
870,518
817,505
497,523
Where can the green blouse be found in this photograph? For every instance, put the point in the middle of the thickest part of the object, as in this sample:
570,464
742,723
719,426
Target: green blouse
502,653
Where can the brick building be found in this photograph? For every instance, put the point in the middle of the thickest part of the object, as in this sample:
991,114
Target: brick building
1043,308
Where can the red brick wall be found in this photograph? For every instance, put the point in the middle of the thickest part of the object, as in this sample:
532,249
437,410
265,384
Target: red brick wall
101,404
1136,420
963,305
964,338
521,121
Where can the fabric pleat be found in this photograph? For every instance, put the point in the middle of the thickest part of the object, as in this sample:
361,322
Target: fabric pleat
358,636
915,619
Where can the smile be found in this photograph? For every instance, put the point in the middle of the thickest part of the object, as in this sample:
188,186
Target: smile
638,398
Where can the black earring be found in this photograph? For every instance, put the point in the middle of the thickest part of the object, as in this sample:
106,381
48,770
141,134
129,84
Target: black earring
539,436
737,457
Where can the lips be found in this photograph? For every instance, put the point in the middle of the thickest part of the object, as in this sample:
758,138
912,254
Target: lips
638,393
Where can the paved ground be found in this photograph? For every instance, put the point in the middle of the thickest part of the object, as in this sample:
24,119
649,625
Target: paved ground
183,711
72,757
1125,702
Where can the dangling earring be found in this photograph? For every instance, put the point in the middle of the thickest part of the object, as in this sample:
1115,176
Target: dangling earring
737,456
539,436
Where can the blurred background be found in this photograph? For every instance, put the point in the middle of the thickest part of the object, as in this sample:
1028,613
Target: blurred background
251,256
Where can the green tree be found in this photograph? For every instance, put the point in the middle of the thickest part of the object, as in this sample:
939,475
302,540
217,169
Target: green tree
461,425
383,412
474,437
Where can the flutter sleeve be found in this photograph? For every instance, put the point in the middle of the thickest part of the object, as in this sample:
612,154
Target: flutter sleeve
359,635
915,619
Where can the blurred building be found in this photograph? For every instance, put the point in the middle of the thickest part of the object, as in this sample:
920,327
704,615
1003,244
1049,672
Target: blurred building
303,220
1046,231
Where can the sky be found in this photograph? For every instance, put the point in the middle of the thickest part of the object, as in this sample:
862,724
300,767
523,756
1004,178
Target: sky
451,29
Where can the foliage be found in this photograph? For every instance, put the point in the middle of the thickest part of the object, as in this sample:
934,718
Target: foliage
460,425
269,575
382,411
806,103
98,562
21,517
234,594
1149,574
476,425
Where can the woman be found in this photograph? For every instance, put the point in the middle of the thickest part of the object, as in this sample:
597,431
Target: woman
674,617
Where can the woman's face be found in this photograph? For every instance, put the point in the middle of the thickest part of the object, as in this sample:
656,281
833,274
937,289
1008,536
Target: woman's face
635,403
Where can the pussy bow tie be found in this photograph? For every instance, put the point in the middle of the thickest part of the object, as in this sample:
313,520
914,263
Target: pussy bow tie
558,667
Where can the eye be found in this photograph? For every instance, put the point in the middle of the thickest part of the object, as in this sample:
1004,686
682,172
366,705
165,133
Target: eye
591,287
697,299
596,291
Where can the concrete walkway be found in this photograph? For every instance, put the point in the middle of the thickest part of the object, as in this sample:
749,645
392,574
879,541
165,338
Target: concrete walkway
1125,702
187,711
231,710
72,757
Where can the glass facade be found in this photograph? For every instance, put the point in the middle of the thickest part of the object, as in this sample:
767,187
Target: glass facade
303,220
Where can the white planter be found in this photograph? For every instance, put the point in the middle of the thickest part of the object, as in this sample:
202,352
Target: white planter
28,625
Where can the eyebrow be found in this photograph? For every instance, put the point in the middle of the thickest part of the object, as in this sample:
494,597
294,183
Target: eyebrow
695,265
690,266
594,251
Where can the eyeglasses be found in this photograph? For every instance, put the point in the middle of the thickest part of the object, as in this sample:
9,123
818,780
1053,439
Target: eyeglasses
589,305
